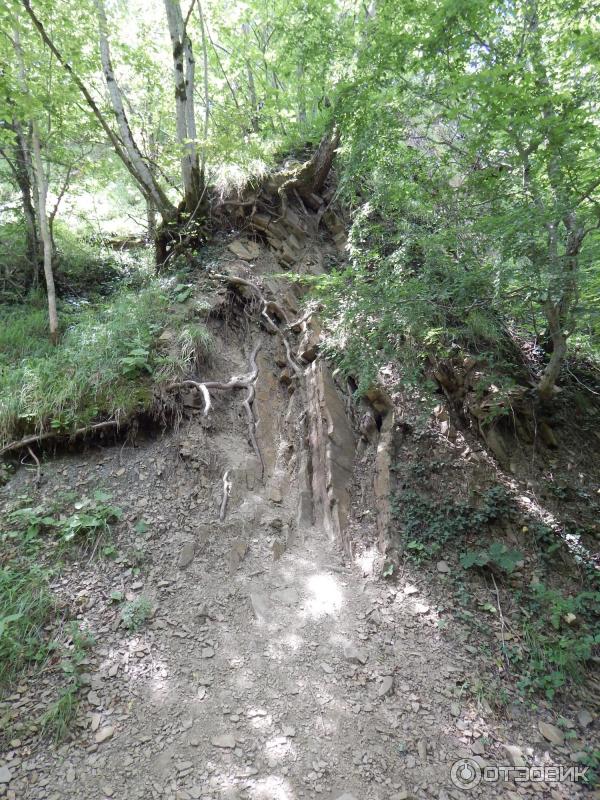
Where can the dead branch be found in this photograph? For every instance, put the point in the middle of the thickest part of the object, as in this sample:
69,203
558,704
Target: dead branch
58,435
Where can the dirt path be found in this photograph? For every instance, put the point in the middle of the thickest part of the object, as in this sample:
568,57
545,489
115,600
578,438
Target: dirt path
270,680
295,678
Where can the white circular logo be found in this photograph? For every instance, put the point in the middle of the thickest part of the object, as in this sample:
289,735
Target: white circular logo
466,773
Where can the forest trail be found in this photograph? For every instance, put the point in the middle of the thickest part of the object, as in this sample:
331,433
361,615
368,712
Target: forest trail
275,664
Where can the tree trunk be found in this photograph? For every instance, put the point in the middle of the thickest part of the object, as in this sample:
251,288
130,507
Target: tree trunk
301,110
184,68
150,221
206,93
152,189
42,192
24,175
138,166
550,375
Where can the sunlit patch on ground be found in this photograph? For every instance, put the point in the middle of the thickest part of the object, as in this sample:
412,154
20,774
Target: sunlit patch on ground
271,788
325,596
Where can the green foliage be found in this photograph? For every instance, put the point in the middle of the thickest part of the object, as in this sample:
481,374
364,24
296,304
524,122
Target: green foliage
426,526
94,373
560,636
25,607
591,759
135,613
57,720
196,346
497,554
90,518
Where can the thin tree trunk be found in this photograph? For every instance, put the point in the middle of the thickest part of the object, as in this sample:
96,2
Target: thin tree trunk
166,208
23,175
301,111
550,375
254,120
184,68
42,191
206,93
148,184
150,221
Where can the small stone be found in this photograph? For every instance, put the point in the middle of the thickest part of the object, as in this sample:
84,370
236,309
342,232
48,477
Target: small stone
478,747
275,495
346,796
93,699
386,686
207,652
225,741
260,606
108,790
327,668
104,734
551,733
95,724
70,775
584,718
579,757
515,755
442,566
186,555
422,749
5,775
355,655
289,730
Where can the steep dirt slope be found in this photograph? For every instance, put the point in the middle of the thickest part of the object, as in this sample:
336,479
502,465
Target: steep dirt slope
276,665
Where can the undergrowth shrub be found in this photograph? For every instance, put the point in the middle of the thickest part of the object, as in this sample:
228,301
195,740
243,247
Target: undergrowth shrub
560,636
426,527
96,372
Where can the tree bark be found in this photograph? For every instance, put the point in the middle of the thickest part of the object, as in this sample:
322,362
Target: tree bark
206,93
184,67
546,386
42,192
24,178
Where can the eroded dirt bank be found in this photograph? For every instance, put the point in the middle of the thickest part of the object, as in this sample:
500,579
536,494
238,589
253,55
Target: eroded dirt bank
276,664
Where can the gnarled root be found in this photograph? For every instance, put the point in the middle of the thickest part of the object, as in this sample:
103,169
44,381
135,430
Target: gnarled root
247,381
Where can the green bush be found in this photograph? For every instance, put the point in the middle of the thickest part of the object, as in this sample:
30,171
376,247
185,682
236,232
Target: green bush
96,372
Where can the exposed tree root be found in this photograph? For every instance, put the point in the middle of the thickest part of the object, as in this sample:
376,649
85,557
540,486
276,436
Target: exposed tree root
236,382
266,307
226,493
61,436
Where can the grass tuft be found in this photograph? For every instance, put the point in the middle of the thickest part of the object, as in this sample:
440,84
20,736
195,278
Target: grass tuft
25,607
99,370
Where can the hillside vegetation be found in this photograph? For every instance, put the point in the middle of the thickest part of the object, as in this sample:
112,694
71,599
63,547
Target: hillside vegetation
408,193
